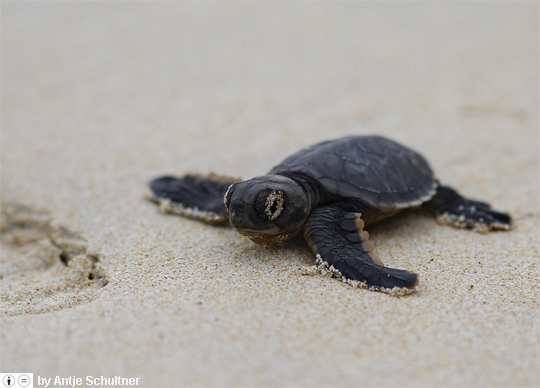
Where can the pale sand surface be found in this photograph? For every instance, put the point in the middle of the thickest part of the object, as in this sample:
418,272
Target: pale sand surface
100,97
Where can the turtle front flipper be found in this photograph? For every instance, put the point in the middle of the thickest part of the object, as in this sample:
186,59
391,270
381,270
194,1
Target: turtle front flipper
193,196
338,239
451,208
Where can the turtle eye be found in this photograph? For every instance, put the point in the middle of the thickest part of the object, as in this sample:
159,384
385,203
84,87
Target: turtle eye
274,205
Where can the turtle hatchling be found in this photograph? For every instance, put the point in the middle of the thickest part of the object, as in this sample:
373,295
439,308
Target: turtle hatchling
329,193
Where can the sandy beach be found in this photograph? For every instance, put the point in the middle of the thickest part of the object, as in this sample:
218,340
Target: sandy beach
99,98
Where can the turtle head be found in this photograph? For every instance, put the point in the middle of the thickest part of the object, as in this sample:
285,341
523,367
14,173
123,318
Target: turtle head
268,209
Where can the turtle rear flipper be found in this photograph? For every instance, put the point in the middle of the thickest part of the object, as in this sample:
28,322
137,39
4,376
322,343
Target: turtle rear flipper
451,208
193,196
340,243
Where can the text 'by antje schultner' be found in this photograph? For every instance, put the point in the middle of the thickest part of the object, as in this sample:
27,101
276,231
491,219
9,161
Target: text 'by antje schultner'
73,381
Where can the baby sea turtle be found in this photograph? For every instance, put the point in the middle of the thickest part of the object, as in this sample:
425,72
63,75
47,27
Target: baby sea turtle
329,192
